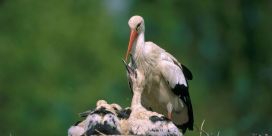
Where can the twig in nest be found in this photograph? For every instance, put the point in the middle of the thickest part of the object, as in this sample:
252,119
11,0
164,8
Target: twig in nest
100,133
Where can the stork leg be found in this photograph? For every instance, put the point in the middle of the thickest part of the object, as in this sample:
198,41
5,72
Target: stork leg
169,114
169,110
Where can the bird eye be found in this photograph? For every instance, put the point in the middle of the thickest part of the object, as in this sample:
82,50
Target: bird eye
138,26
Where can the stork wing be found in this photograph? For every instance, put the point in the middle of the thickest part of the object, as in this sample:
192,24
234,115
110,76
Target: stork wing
187,73
172,73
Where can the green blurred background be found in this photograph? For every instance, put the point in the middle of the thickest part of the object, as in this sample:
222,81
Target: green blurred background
57,58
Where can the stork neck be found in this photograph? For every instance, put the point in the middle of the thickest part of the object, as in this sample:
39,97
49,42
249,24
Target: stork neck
136,100
138,45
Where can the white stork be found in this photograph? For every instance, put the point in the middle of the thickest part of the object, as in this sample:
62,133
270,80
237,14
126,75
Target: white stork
166,86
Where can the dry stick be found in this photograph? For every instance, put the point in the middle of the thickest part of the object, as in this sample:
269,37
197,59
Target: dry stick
100,132
201,129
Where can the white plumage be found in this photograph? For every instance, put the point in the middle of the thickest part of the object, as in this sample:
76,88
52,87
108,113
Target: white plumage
77,129
102,120
165,87
111,119
142,121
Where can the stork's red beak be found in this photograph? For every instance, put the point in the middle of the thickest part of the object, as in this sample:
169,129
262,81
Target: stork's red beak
133,35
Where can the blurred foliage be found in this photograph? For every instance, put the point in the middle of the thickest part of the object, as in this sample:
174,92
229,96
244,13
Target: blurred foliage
57,58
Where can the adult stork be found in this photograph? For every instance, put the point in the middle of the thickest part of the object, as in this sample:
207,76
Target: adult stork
166,86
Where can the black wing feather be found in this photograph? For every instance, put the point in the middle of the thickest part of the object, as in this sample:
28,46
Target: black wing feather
183,93
187,73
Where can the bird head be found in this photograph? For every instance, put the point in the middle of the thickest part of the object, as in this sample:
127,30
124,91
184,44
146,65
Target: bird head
136,24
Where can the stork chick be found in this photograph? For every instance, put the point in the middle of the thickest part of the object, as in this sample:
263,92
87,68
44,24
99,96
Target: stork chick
102,120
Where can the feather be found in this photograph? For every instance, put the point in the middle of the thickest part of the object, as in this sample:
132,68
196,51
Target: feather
177,76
